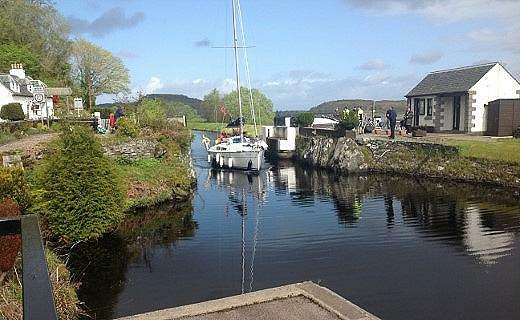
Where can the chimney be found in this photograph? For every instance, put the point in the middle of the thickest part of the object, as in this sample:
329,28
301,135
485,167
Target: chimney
17,70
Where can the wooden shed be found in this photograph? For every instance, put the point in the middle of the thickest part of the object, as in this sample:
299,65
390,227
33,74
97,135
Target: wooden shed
503,117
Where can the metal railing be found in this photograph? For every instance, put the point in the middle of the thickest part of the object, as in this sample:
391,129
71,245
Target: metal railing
38,301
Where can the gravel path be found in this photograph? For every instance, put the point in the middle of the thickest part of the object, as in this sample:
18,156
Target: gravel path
29,143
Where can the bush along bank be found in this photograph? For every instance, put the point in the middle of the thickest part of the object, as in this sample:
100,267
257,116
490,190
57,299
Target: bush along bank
15,199
153,158
404,157
85,187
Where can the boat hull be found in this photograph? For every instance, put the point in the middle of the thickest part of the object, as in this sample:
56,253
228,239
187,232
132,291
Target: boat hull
252,160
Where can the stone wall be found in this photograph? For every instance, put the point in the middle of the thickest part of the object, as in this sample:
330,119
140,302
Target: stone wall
403,157
133,150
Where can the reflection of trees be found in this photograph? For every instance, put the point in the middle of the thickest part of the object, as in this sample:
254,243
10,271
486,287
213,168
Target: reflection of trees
101,266
156,226
438,209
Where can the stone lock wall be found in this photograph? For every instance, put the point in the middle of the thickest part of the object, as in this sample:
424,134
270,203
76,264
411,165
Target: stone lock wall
413,158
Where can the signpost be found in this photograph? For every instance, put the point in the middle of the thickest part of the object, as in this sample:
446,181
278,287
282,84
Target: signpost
39,97
78,105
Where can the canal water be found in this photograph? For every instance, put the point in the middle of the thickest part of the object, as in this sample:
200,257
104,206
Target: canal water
398,247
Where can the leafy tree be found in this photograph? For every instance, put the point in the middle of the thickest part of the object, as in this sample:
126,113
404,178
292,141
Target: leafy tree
12,53
12,111
263,106
305,119
211,106
174,109
150,113
81,194
97,71
349,119
38,25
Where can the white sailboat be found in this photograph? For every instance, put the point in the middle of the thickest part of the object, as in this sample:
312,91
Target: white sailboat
238,152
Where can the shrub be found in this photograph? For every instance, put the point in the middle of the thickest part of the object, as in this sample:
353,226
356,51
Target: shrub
150,113
10,244
12,111
81,194
349,119
305,119
14,186
126,127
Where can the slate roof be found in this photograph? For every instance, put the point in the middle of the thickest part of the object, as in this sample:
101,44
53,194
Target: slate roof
453,80
5,79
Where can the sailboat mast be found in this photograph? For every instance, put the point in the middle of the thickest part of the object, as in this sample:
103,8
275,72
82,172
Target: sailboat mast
237,67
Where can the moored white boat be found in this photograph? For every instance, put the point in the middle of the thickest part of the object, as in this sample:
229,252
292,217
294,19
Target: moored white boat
238,152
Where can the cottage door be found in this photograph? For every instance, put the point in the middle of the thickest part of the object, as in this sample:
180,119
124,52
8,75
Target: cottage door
456,113
416,110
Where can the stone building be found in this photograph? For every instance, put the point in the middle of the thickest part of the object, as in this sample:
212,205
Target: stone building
455,100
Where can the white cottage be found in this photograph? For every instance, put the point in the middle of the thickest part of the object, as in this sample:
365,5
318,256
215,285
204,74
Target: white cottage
456,99
20,88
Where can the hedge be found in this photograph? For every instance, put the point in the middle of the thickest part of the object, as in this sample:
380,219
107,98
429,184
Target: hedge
12,111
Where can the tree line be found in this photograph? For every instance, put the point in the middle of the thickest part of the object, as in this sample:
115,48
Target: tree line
32,32
217,107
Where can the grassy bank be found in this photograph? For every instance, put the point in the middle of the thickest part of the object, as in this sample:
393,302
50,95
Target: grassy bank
153,181
506,150
249,129
65,298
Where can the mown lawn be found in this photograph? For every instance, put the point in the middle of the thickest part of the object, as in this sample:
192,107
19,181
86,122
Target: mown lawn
217,127
507,150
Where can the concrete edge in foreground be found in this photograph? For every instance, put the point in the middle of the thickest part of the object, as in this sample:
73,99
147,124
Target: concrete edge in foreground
322,296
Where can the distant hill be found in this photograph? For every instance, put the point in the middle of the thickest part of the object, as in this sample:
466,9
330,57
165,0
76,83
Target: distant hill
193,103
380,106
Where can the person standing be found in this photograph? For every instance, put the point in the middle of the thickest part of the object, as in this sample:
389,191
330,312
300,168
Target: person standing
408,118
112,120
119,113
391,115
361,124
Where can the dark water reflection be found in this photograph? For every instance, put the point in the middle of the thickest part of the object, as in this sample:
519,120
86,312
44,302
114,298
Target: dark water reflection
399,247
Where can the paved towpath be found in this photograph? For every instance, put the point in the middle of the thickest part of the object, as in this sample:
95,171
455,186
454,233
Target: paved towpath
29,143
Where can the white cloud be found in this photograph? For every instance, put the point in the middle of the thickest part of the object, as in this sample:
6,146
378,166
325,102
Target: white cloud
376,64
446,10
426,57
502,31
505,38
302,91
196,88
153,85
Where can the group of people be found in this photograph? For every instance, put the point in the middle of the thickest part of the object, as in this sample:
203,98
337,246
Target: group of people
407,121
391,116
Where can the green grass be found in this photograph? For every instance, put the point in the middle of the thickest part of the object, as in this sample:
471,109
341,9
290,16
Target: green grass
206,126
507,150
249,129
152,181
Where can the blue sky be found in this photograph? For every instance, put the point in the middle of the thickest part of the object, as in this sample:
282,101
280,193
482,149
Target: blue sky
306,52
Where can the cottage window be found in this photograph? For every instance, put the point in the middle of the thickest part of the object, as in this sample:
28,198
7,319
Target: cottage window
421,107
429,107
